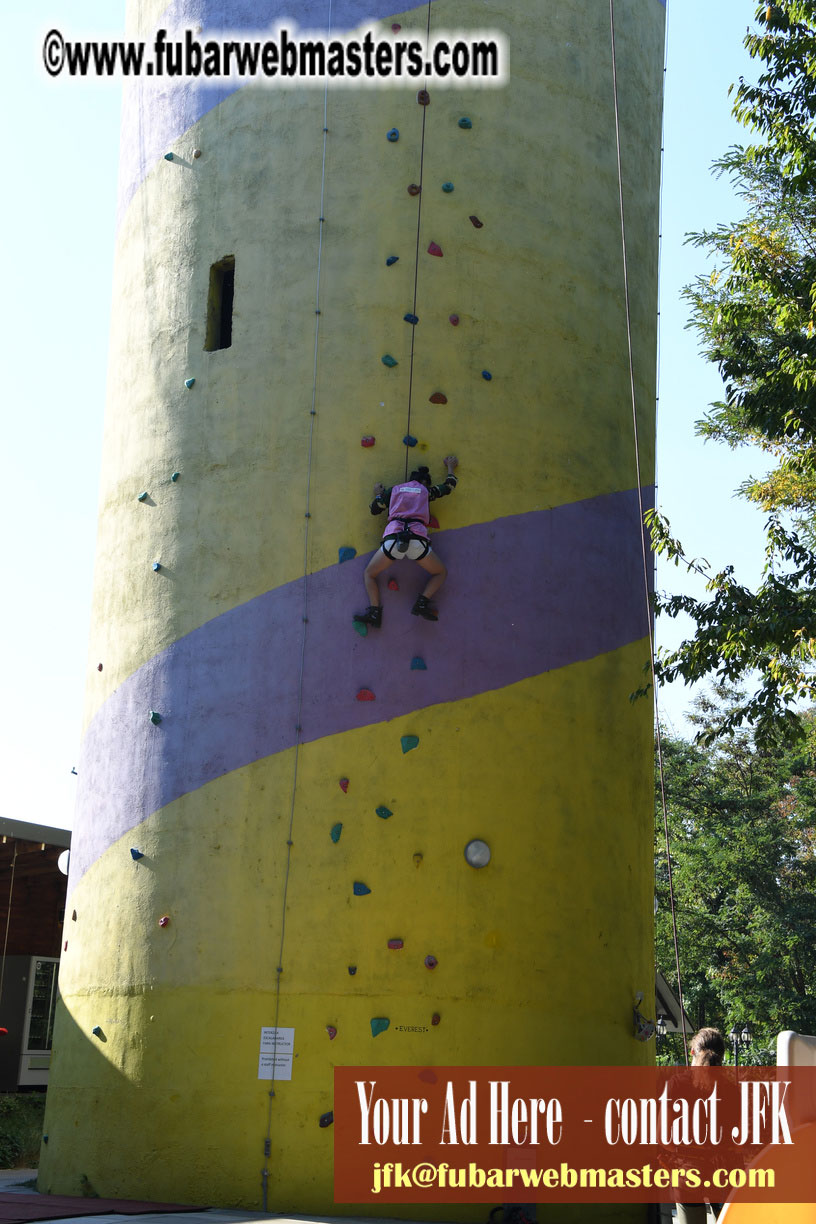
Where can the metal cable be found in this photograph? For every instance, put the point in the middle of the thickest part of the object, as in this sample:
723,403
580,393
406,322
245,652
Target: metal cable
644,549
8,922
305,622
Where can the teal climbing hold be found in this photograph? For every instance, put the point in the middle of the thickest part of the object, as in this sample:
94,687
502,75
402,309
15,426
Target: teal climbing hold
346,553
411,318
188,382
361,890
418,664
447,187
168,157
97,1031
393,135
409,440
155,717
360,627
408,742
464,122
143,496
379,1024
175,477
336,830
392,259
389,361
383,812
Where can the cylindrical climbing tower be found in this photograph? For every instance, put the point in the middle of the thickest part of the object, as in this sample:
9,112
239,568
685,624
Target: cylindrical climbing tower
251,833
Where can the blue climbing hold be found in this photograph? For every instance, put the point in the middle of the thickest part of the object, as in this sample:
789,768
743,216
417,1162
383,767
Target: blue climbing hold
361,890
486,375
157,566
383,812
412,319
389,361
326,1119
135,854
392,259
188,382
418,664
393,135
336,830
409,440
447,187
346,553
379,1024
352,970
408,742
464,122
97,1031
360,627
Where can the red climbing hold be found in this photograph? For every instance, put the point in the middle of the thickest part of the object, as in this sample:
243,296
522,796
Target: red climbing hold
395,944
365,695
344,785
438,398
414,189
424,98
454,319
3,1032
396,27
163,922
431,962
99,667
435,249
435,1018
433,522
332,1031
393,585
368,440
476,223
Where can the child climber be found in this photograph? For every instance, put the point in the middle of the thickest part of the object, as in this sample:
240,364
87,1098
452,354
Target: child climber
406,538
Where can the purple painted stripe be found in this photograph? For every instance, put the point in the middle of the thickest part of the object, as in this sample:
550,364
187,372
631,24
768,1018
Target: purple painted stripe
154,116
525,595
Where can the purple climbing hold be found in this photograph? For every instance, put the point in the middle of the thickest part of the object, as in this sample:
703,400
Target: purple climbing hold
431,962
409,440
391,260
411,318
454,320
332,1031
408,742
435,249
475,222
379,1024
346,553
336,830
383,812
360,889
344,785
418,664
395,944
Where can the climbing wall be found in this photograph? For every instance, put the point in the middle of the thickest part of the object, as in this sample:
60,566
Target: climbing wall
274,809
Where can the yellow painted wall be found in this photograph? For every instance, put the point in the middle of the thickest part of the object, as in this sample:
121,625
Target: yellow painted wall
540,954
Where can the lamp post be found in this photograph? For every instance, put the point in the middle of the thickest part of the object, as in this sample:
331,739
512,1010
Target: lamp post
739,1036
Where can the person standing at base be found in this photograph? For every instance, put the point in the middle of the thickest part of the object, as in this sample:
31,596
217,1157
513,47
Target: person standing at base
707,1049
406,538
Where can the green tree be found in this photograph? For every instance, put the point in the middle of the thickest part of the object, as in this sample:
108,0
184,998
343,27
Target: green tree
742,824
756,318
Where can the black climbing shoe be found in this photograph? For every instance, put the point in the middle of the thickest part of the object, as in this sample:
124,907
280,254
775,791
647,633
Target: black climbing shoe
372,616
423,608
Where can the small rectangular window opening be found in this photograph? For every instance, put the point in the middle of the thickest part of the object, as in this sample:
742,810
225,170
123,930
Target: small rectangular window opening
219,304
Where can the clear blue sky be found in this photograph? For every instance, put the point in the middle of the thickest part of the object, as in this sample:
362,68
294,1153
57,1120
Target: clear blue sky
61,156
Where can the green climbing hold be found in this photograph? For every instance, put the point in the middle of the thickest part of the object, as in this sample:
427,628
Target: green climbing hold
336,830
383,812
464,122
360,627
389,361
447,187
408,742
379,1024
418,664
154,717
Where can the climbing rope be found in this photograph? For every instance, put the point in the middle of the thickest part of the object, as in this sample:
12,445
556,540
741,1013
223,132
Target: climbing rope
641,511
416,254
305,623
8,922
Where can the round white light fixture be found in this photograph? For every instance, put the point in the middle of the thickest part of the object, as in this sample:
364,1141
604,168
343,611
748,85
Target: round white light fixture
477,853
63,861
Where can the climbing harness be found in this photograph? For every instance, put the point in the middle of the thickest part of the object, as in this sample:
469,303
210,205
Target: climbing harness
644,547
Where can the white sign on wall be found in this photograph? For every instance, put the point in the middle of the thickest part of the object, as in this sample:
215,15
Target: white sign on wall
277,1049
